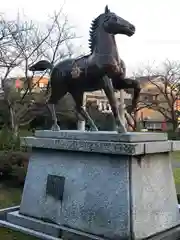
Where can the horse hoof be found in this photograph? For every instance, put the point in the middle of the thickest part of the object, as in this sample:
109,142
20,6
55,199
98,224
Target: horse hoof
120,129
94,130
55,128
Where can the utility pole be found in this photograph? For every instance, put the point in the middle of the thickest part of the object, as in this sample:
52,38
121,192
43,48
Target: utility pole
81,125
121,107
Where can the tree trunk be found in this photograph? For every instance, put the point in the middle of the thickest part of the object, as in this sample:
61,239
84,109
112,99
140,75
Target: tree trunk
28,79
14,125
16,130
175,126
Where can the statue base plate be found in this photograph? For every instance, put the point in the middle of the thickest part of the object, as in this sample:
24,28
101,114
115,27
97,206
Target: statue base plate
105,184
12,219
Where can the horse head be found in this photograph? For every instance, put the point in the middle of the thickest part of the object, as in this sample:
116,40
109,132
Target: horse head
111,24
114,24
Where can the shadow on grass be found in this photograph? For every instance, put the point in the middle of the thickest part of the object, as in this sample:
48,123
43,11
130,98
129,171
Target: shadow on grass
10,196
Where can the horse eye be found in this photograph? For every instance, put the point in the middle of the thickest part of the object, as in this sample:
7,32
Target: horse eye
114,18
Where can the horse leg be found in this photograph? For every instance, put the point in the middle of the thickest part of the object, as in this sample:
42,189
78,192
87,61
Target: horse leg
53,100
137,90
55,126
87,117
109,91
128,83
78,98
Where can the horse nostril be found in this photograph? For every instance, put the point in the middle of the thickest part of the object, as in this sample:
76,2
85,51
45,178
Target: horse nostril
132,27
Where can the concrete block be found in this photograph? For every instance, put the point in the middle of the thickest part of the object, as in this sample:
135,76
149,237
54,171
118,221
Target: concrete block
102,136
157,147
112,189
93,184
4,211
36,225
153,195
175,145
85,146
44,230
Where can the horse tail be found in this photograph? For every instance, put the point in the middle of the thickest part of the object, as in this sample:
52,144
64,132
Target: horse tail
41,66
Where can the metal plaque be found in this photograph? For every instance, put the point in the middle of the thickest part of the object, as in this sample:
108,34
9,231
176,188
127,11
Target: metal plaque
55,186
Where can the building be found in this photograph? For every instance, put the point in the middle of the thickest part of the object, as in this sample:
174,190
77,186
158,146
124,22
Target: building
154,92
99,99
37,83
149,95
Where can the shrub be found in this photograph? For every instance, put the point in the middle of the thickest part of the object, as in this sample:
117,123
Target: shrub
174,135
13,165
13,157
8,141
5,165
19,174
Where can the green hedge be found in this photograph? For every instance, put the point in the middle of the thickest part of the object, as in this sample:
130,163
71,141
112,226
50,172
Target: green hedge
13,158
174,135
13,166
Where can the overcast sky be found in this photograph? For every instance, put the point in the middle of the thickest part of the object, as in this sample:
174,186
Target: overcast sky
157,22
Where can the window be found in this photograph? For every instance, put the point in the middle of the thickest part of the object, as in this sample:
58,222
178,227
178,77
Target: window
154,98
41,85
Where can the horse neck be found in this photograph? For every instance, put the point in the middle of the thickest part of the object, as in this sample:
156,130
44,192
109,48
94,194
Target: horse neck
106,47
116,48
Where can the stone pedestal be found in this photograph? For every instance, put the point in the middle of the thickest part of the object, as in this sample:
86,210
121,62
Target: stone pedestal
81,125
116,186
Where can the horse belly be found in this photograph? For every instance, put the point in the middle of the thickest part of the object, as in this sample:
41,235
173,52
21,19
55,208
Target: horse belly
93,71
91,83
86,83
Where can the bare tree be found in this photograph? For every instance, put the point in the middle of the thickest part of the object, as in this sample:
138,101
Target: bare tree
132,120
165,89
58,45
28,43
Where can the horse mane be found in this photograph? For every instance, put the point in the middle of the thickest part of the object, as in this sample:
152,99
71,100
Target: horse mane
92,33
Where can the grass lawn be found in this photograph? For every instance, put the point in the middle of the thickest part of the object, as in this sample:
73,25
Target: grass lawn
176,160
10,197
176,156
8,234
177,179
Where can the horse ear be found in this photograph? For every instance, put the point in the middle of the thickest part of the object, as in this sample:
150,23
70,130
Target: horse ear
107,9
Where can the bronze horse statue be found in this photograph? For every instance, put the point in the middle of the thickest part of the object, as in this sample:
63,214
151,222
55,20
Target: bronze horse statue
101,69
